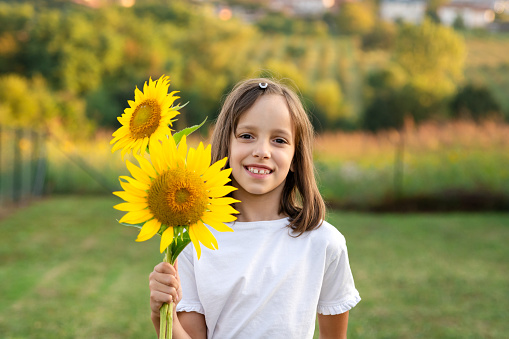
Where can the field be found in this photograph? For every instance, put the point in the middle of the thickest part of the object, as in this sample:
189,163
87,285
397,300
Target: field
455,158
441,161
70,271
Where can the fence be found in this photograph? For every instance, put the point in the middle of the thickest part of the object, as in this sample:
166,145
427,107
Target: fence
23,164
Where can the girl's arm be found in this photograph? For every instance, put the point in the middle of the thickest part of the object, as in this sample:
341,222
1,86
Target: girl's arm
333,326
164,284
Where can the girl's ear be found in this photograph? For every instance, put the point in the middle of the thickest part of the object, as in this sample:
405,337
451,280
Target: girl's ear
292,166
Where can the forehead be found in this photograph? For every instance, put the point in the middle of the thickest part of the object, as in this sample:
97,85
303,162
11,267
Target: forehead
268,111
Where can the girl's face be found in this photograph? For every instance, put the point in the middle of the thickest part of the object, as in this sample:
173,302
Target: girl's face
262,148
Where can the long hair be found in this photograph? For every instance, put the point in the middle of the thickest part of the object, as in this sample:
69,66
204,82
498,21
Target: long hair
300,199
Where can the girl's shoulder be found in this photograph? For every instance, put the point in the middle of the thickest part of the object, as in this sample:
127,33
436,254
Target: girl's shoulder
328,237
328,231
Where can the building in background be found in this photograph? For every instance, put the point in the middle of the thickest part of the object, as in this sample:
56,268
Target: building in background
411,11
99,3
472,14
303,7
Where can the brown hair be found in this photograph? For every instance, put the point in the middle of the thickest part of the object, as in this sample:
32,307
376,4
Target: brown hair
300,199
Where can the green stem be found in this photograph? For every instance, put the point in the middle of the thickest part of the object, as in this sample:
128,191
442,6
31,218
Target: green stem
166,311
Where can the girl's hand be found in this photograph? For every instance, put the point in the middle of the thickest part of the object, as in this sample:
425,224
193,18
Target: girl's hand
164,284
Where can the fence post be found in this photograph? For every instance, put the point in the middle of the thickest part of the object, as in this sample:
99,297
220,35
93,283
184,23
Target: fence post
16,175
40,173
399,165
1,172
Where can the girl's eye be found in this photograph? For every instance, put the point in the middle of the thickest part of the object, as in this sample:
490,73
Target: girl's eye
280,141
245,136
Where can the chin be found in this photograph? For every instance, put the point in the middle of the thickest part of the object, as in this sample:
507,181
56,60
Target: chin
257,191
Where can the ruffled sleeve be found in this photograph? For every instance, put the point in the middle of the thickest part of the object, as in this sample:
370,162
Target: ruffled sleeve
338,293
190,300
340,307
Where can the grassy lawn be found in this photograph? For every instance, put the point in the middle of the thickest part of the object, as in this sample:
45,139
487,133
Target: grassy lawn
68,270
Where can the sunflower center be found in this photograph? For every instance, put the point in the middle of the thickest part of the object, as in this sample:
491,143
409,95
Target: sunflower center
145,119
181,196
177,197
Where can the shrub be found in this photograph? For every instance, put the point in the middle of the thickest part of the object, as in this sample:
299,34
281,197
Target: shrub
475,102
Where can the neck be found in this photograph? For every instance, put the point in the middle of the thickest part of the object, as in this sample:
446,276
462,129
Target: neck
255,207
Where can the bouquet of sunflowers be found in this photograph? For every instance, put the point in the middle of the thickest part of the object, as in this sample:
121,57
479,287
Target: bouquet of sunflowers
175,191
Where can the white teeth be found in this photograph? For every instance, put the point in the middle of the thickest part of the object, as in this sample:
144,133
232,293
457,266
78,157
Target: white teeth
258,171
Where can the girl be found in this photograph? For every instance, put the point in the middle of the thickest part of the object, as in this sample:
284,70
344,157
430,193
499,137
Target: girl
283,263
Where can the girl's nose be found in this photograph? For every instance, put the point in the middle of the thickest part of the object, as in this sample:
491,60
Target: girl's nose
261,151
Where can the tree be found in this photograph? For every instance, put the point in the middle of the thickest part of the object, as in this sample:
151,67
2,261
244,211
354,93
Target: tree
328,101
355,18
431,50
427,66
381,36
433,58
30,103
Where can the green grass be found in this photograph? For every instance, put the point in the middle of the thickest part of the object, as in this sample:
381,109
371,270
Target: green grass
70,271
428,276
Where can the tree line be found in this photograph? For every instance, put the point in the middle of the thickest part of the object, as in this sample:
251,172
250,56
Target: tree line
74,66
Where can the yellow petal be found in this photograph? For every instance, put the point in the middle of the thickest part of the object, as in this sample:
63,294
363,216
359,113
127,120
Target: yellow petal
146,166
214,169
120,144
137,145
127,148
191,160
204,160
148,230
121,132
144,145
156,155
217,192
132,190
138,173
182,148
129,197
170,152
225,209
219,226
136,217
195,242
129,206
223,201
166,239
135,183
138,95
197,161
169,100
221,179
220,217
204,235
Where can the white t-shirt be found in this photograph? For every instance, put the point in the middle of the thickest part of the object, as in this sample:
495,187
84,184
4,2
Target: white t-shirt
264,283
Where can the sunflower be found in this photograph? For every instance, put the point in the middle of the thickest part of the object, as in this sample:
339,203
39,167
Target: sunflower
147,117
175,191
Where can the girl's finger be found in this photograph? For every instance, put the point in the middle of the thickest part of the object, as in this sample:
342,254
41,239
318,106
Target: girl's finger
165,279
159,287
157,299
165,267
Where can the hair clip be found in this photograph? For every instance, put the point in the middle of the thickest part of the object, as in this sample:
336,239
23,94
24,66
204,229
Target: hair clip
263,85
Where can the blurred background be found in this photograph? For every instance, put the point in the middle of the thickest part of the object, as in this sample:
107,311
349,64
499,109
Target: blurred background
409,99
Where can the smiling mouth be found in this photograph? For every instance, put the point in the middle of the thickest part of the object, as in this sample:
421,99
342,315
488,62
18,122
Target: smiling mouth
255,170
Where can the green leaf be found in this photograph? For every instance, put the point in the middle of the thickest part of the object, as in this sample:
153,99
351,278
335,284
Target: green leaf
186,131
180,242
131,225
176,108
